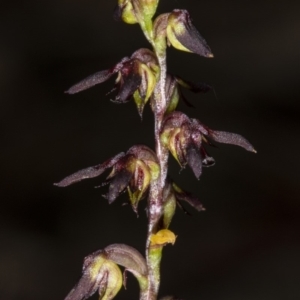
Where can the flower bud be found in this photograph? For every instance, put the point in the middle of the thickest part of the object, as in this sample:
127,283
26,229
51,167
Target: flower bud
100,274
125,11
182,34
135,11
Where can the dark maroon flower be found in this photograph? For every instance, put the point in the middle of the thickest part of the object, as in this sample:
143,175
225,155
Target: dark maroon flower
184,138
136,78
134,170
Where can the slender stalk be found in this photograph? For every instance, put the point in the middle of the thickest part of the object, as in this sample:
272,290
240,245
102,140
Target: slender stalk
155,203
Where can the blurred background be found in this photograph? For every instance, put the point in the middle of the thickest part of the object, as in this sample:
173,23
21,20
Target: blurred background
246,244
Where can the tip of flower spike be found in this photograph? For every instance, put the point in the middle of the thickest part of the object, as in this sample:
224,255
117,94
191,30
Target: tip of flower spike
210,55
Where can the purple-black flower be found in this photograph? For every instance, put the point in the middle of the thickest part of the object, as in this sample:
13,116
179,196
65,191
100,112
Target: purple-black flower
185,138
136,77
133,170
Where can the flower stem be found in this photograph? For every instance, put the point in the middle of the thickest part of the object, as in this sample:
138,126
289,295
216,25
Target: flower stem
155,202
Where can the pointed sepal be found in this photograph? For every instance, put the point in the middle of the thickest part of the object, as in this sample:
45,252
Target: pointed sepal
90,81
90,172
182,34
230,138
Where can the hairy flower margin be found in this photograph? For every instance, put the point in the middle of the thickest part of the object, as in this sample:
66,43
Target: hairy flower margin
142,172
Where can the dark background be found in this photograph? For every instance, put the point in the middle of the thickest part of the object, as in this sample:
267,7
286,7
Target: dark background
245,246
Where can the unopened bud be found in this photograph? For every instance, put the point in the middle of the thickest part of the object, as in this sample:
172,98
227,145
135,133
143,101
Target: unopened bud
100,274
182,34
125,12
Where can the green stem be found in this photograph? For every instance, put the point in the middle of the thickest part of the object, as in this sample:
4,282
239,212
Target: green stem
155,200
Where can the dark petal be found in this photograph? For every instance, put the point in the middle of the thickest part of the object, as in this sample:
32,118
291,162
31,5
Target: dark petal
194,160
196,87
117,14
183,195
231,138
90,81
131,83
90,172
183,98
84,289
179,204
118,184
191,38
